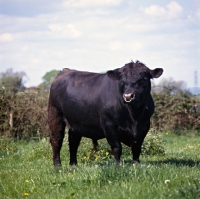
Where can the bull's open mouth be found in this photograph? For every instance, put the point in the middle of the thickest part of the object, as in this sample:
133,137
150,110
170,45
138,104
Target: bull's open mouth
128,97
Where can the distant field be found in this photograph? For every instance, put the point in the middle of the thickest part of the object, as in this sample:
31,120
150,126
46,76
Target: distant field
26,171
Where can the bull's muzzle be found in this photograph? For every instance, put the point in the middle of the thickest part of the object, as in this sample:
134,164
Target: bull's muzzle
129,97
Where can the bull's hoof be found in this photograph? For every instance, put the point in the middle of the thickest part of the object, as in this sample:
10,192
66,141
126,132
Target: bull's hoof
135,162
57,165
117,163
95,148
73,164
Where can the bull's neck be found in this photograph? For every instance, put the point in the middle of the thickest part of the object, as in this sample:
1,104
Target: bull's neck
144,101
136,111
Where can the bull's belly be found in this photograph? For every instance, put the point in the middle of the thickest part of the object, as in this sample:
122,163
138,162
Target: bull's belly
89,132
90,127
93,134
125,138
97,134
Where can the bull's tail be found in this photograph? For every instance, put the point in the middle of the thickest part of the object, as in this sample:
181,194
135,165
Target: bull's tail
57,128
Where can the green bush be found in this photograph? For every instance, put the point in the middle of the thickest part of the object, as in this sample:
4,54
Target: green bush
174,113
24,114
7,146
153,144
6,102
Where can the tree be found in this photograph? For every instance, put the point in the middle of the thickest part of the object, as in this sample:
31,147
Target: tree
171,87
48,79
12,80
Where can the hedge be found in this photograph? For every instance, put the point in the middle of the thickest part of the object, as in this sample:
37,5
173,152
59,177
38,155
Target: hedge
24,114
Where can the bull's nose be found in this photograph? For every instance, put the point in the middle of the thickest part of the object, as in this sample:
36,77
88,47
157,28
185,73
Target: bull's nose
128,97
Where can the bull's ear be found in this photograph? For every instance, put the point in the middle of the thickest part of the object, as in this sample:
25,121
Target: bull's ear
114,74
157,72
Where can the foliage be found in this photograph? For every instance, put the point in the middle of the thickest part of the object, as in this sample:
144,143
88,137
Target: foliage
48,79
7,146
23,115
102,153
170,86
153,144
27,171
174,113
13,81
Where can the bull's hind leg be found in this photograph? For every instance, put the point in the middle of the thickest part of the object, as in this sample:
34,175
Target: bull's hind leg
74,141
57,128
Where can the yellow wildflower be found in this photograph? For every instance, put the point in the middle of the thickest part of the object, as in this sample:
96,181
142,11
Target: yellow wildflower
26,181
25,194
107,153
96,158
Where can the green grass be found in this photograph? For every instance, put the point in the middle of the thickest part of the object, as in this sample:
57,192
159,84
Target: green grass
26,171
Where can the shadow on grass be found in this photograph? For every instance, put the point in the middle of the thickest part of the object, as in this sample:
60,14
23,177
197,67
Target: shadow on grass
170,161
176,162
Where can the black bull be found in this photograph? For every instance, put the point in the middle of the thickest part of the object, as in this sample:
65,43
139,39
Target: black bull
116,105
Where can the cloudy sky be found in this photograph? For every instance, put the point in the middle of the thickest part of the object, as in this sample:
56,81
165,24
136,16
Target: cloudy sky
37,36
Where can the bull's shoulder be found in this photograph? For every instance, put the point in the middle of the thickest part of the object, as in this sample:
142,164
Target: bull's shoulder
63,73
66,70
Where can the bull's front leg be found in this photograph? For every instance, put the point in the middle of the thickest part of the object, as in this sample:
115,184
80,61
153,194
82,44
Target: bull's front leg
136,150
135,142
141,132
113,140
95,144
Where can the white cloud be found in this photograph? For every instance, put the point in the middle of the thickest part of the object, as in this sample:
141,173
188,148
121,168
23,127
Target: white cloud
68,30
139,26
35,61
6,37
174,10
91,3
170,11
155,11
198,13
24,48
133,46
101,36
115,46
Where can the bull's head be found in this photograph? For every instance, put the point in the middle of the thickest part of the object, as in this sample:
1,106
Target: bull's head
135,81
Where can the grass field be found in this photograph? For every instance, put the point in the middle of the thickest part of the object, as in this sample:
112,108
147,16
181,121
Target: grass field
26,171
